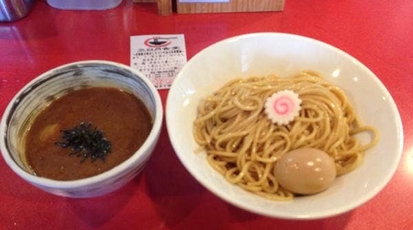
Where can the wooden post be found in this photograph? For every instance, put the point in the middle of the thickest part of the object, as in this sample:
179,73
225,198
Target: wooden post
164,7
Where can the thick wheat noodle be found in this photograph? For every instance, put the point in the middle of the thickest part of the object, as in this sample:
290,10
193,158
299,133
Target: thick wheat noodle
243,145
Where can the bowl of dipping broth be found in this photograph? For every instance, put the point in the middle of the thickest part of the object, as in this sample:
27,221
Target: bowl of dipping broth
83,129
284,126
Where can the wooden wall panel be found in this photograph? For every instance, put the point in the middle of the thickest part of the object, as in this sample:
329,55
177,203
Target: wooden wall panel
165,6
232,6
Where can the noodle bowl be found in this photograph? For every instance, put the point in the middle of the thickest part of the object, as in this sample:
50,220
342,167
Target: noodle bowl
244,145
263,54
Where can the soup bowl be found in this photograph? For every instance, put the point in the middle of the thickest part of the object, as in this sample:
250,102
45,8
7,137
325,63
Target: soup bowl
262,54
42,90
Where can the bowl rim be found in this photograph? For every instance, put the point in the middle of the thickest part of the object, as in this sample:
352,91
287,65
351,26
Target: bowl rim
235,202
138,156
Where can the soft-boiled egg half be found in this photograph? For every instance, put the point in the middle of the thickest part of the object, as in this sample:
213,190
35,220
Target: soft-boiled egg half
305,171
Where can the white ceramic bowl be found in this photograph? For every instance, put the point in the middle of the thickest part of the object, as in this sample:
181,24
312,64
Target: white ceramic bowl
285,54
55,82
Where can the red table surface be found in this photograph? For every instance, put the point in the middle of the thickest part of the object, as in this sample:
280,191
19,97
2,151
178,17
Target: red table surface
165,195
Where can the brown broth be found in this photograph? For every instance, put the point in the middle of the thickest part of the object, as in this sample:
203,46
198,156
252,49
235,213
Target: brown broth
123,118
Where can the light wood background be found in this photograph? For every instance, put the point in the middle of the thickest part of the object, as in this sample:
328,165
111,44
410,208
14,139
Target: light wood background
232,6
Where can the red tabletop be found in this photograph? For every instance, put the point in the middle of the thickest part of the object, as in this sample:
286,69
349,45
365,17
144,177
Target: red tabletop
165,196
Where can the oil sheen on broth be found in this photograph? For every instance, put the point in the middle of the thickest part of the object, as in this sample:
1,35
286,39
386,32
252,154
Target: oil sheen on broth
124,120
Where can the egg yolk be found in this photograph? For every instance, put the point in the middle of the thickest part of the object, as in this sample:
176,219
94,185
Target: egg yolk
305,171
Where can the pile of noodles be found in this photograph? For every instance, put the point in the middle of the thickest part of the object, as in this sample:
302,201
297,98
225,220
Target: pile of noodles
243,144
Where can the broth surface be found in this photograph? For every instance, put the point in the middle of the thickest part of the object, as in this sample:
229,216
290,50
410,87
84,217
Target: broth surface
123,118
